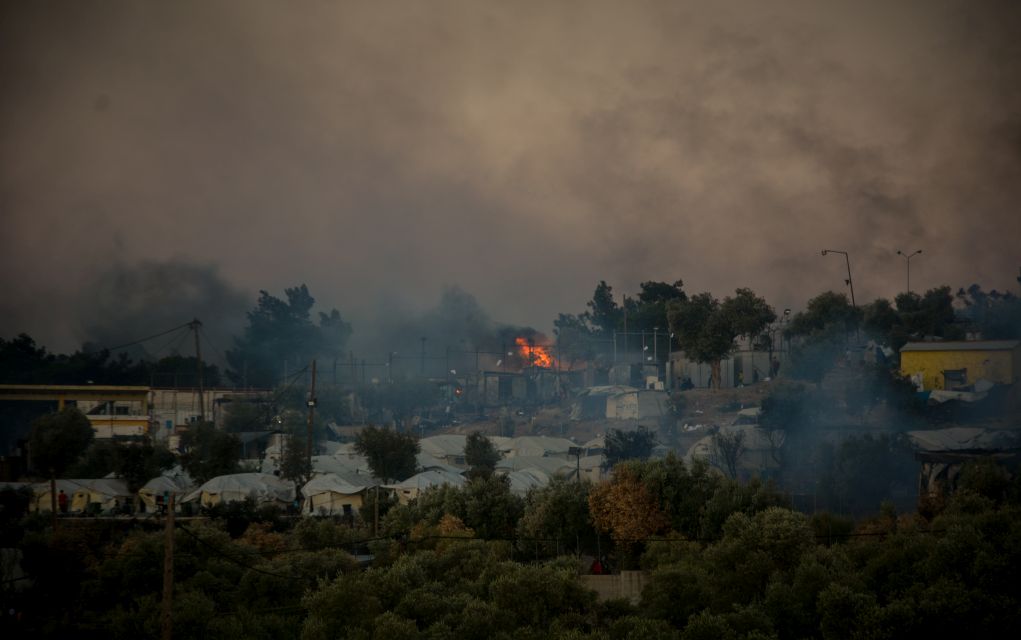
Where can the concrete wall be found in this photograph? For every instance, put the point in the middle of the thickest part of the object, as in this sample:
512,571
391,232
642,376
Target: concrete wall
996,366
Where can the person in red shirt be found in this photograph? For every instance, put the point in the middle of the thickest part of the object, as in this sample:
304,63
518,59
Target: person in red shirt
62,501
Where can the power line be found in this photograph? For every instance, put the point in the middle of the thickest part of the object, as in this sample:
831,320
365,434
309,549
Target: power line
139,341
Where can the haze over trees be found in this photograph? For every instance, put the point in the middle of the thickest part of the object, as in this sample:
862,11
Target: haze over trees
391,455
281,334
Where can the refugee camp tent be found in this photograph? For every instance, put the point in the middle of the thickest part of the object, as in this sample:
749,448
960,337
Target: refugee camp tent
104,494
177,486
525,479
549,466
40,500
411,488
328,494
261,487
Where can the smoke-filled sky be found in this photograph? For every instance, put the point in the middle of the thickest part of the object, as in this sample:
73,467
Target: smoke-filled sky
382,151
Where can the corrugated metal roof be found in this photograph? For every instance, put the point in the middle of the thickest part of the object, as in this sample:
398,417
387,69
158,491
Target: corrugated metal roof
971,345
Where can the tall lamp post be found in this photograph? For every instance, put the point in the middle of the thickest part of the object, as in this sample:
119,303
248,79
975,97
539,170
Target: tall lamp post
850,283
907,258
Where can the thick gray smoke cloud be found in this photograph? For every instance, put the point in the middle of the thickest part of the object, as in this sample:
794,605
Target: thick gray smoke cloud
130,302
383,151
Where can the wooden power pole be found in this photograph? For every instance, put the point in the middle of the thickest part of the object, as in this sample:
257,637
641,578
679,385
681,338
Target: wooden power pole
311,417
195,325
168,572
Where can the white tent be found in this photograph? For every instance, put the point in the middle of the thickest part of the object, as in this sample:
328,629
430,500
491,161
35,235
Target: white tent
538,446
525,479
328,494
81,492
107,493
550,466
426,462
261,487
178,486
416,484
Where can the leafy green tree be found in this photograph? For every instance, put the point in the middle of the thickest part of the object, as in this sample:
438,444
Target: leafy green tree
391,455
295,464
648,311
209,452
56,441
879,318
575,338
931,314
997,315
559,511
281,331
480,455
706,328
490,509
828,309
604,314
139,463
628,445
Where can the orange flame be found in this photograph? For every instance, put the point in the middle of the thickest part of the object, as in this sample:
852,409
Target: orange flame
535,355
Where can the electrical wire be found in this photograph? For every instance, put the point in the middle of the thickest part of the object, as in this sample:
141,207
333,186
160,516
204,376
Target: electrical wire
139,341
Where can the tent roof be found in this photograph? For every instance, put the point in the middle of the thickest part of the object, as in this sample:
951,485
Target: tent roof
329,483
159,484
523,480
965,439
426,461
430,478
254,484
550,466
451,444
540,445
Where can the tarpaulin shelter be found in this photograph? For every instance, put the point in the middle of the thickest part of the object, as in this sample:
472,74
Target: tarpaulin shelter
261,487
329,494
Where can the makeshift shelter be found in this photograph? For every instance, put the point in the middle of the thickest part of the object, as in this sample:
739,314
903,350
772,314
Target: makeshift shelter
521,482
166,486
426,462
328,494
411,488
549,466
448,448
943,453
261,487
538,446
94,496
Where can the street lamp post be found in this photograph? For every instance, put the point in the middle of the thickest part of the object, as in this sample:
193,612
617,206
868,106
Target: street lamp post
850,283
907,258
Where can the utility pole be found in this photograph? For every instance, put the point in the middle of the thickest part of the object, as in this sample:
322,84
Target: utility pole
195,325
311,417
907,258
375,513
168,572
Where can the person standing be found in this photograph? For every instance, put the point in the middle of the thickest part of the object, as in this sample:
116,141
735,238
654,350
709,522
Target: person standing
62,501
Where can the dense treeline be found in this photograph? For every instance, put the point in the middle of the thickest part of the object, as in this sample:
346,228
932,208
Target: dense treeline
723,560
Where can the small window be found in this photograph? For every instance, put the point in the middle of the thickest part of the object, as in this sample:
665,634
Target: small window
955,378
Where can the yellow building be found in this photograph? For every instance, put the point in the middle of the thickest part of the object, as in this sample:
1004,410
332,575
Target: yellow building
952,365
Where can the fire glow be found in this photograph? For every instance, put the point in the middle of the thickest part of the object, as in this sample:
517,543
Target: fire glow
534,354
